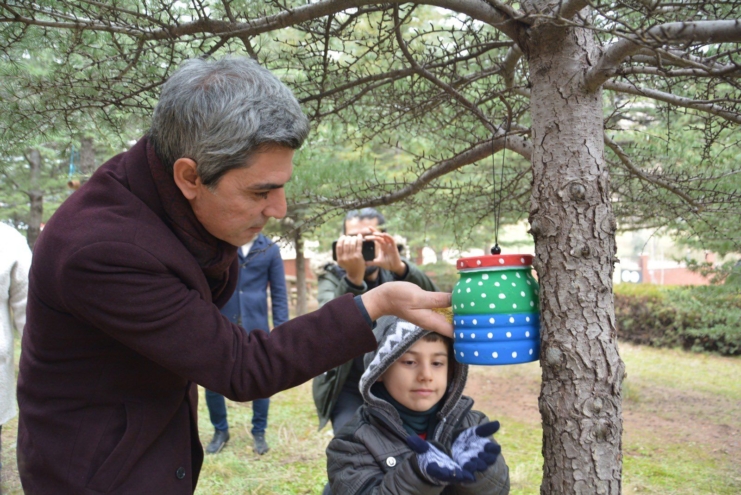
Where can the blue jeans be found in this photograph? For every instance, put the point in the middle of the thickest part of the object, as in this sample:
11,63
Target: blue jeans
217,412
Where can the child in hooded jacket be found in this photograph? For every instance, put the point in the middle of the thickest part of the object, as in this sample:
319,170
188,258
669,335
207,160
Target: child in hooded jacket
416,434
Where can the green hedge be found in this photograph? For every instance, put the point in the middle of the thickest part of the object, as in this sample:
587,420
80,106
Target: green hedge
698,318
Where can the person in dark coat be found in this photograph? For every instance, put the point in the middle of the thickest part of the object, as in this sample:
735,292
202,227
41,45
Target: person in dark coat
260,267
128,277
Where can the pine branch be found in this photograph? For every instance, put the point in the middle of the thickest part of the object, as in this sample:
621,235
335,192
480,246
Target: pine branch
630,166
476,9
519,145
663,34
679,101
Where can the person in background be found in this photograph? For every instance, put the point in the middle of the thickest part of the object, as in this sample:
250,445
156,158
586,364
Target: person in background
260,267
335,392
15,261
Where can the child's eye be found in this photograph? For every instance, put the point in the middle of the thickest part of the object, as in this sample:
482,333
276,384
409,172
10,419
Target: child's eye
408,363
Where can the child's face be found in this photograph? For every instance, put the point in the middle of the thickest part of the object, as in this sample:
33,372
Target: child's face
419,378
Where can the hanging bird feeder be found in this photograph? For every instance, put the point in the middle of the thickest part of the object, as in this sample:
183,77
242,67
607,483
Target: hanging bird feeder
495,303
495,310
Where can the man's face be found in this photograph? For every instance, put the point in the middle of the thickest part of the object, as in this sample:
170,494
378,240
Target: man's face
245,198
419,378
357,226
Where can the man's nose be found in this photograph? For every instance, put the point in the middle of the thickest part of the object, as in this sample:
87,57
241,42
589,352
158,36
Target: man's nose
276,207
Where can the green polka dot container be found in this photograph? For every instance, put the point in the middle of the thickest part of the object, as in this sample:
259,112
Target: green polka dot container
495,310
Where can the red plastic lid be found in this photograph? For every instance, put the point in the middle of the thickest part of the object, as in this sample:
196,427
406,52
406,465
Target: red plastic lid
495,261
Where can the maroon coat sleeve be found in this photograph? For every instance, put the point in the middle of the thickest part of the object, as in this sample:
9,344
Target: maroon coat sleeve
125,291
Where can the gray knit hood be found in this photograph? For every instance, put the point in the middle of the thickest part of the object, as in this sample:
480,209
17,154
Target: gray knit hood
395,336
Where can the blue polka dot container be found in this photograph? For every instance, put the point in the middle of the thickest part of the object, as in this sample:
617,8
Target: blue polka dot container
495,310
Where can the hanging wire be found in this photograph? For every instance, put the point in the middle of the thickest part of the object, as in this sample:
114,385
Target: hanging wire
498,205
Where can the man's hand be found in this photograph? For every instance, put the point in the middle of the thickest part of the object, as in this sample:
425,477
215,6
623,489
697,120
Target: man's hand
350,257
387,254
409,302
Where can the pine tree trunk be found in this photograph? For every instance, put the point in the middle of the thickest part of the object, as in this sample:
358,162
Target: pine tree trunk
298,242
35,197
574,229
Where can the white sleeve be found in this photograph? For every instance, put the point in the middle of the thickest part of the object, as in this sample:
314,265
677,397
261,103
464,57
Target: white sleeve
19,283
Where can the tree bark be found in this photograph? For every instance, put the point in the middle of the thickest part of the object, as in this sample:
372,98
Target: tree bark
298,242
574,229
35,197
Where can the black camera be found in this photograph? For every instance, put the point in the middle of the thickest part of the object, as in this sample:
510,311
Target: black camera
369,250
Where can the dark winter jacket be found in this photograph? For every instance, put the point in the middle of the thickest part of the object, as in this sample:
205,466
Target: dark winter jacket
369,455
121,326
262,266
332,284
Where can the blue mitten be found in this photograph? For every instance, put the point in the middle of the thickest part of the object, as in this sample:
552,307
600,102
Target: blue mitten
473,451
436,466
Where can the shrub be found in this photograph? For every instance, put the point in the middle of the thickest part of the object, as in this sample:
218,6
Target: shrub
699,318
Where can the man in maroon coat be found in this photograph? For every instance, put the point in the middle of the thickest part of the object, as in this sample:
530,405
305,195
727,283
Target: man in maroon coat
128,277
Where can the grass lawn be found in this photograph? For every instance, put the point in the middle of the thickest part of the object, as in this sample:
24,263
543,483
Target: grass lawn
681,419
682,431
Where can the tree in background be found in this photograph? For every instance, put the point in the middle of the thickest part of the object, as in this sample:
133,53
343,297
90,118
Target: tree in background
45,154
37,179
584,92
31,178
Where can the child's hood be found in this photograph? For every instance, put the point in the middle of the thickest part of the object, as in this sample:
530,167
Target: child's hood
395,336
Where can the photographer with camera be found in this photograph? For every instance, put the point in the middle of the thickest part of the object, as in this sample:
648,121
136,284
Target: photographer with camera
336,393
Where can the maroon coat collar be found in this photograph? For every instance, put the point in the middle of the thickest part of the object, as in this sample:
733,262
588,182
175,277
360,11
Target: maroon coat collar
157,189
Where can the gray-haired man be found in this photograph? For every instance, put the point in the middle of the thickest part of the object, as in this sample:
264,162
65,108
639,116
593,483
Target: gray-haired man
127,280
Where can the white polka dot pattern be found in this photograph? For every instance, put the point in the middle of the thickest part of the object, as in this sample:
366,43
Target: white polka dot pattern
515,284
483,334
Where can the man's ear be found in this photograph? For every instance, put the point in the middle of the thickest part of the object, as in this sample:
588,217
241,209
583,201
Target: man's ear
186,177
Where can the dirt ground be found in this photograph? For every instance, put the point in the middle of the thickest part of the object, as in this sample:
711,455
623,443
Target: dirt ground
666,415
